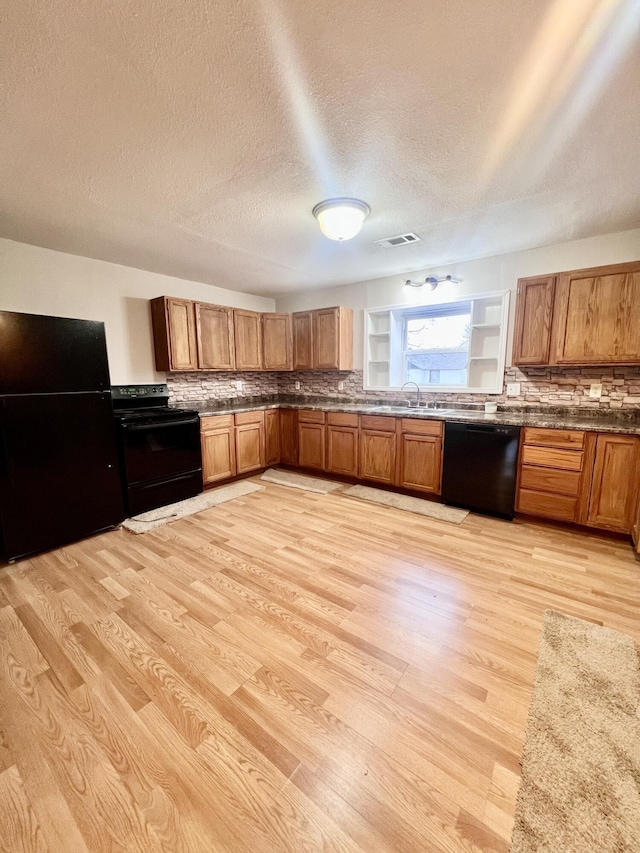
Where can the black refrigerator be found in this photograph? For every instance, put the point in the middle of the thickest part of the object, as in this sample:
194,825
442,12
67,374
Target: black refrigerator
59,474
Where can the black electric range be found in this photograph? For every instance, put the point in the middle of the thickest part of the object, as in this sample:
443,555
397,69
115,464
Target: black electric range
160,456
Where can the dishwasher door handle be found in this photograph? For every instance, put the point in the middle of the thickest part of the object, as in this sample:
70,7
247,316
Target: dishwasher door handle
480,428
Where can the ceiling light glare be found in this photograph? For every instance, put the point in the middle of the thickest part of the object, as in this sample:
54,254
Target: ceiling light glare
341,218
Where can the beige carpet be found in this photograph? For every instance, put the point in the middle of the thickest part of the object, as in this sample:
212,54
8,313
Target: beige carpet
165,514
580,789
300,481
408,503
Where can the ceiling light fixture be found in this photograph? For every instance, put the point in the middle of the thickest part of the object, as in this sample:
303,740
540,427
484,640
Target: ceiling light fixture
432,281
341,218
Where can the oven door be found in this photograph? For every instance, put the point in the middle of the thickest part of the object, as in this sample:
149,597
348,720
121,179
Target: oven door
161,450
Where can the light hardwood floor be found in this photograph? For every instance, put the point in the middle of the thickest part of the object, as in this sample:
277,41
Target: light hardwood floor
289,671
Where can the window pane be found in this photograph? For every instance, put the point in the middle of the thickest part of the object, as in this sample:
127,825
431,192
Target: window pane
424,375
438,333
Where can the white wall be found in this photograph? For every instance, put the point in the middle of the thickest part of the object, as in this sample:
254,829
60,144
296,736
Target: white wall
497,273
41,281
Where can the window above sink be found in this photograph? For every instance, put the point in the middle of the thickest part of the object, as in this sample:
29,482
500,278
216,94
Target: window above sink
459,345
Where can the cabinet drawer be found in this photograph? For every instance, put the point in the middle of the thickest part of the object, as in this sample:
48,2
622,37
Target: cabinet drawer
309,417
216,422
422,427
550,457
243,418
377,423
342,419
561,507
570,439
550,480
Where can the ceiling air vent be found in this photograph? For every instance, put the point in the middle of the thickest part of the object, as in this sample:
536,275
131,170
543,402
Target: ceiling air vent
400,240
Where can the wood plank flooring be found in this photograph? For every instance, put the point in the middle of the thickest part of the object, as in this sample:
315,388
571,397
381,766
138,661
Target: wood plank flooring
285,672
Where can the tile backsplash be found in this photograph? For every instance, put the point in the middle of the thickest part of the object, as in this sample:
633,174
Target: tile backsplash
551,386
185,387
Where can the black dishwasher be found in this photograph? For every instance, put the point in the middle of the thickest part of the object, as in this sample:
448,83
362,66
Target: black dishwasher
480,467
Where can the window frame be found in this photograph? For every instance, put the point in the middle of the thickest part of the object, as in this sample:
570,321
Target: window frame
391,318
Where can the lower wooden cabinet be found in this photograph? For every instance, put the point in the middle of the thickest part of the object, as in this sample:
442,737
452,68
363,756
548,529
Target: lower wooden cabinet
289,436
580,477
377,449
551,473
342,444
311,439
420,463
217,435
614,483
271,436
250,442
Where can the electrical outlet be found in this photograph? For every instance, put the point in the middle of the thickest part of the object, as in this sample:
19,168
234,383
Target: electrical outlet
341,385
595,391
238,384
297,385
513,389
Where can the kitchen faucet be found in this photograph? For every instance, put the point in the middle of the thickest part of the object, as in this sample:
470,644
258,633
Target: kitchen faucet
417,404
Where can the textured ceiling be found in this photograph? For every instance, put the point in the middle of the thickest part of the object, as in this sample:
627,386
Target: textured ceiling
193,138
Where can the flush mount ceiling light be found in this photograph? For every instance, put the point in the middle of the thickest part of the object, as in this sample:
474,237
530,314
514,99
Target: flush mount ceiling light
432,281
341,218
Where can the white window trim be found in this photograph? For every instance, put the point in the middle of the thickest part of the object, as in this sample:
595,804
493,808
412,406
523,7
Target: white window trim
396,315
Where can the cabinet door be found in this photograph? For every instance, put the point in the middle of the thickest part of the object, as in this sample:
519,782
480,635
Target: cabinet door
302,340
249,447
421,463
534,313
597,316
248,338
311,445
174,333
377,455
289,436
342,450
218,449
326,338
272,436
277,342
612,502
214,333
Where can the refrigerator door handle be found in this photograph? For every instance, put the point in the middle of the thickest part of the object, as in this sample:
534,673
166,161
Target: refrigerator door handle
4,450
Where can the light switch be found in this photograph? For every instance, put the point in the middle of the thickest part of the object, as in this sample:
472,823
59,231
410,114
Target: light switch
513,389
341,385
297,385
595,390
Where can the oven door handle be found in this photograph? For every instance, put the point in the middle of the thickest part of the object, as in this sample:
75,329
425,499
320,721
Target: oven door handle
161,425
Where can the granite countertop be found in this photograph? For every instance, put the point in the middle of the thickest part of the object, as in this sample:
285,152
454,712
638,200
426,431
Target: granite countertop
625,421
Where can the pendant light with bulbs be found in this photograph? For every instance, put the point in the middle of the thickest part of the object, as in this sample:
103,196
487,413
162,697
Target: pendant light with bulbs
341,218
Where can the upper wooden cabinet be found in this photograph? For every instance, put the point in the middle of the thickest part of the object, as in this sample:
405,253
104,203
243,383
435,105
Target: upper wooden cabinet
582,317
333,339
277,348
247,327
534,312
198,336
598,316
215,337
303,340
174,333
323,339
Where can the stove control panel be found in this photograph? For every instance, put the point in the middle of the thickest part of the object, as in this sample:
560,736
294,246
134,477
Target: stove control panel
133,392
